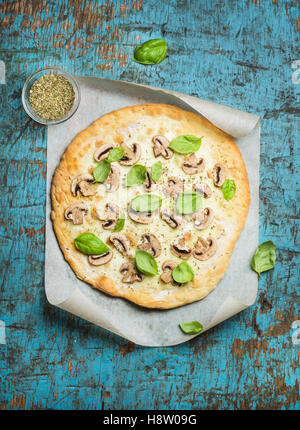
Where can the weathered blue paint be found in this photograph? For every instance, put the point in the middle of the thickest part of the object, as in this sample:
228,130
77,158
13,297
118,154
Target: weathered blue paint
236,53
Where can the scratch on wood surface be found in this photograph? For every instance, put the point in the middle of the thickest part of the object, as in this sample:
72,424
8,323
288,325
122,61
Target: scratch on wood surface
127,348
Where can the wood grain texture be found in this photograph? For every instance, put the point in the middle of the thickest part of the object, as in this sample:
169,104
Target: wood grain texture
236,53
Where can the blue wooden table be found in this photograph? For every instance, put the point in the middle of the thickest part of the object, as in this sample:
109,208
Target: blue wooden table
243,54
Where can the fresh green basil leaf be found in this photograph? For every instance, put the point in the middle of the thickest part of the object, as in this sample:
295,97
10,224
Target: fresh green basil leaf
228,189
102,171
188,202
187,144
153,51
156,170
136,175
145,262
183,273
115,154
90,244
120,224
146,203
193,327
264,257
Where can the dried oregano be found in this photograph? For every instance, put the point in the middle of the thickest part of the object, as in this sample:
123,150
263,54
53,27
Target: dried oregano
52,96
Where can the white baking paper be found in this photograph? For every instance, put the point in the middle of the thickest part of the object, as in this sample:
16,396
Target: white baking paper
238,288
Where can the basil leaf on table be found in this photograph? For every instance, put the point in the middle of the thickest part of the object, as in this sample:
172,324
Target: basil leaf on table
153,51
115,154
187,144
102,171
145,262
90,244
188,202
156,170
228,189
183,273
191,327
120,224
146,203
136,175
264,257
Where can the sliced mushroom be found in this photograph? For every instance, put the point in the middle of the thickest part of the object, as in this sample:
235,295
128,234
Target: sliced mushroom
181,250
151,244
76,213
219,174
170,218
120,242
130,273
131,155
161,147
203,218
149,181
99,260
82,184
141,217
204,249
110,216
175,187
112,183
193,165
203,189
103,151
167,267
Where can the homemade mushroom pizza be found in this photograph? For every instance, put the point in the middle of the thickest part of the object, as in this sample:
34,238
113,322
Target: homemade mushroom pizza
147,204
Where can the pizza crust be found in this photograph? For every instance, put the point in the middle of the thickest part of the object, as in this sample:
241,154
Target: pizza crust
140,123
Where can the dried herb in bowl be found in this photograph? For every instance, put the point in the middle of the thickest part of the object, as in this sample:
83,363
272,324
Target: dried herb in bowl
52,96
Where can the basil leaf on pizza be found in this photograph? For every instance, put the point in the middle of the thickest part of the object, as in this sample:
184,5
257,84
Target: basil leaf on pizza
136,175
120,224
228,189
187,144
156,171
192,327
188,202
145,263
102,171
90,244
146,203
115,154
183,273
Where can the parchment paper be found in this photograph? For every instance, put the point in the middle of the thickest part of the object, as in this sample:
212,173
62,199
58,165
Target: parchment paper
238,288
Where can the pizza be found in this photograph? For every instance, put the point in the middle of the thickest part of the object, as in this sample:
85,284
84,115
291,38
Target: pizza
148,203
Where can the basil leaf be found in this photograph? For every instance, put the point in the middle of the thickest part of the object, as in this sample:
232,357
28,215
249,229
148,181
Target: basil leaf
146,203
228,189
145,262
191,327
187,144
120,224
151,52
90,244
136,175
183,273
156,170
264,257
115,154
102,171
188,202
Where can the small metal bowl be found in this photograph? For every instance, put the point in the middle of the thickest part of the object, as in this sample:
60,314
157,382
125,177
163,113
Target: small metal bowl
35,76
